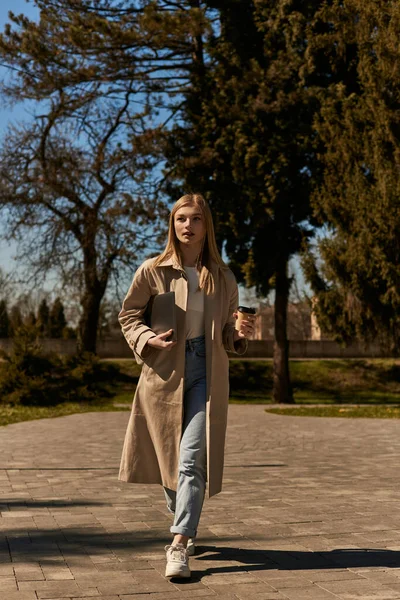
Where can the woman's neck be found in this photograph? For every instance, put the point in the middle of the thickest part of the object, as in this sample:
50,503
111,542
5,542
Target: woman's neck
190,255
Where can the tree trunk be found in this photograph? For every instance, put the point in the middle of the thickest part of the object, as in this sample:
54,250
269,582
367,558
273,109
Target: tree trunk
282,389
88,324
93,293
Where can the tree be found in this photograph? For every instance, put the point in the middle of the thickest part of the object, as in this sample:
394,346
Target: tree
248,142
77,175
6,289
357,275
57,320
30,319
4,320
16,319
108,322
43,319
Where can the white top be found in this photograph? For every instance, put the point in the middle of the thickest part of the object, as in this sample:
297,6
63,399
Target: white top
195,305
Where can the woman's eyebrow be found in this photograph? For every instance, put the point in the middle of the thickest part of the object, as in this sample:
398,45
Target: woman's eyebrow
184,214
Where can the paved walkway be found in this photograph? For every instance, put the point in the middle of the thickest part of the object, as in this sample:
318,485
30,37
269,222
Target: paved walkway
310,510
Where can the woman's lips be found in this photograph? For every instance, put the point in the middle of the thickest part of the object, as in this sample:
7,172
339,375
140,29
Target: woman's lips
188,234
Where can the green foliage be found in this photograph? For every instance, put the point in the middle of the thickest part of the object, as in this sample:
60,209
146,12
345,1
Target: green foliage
250,379
87,377
16,319
247,139
43,318
357,280
4,320
57,320
28,370
48,321
338,381
37,379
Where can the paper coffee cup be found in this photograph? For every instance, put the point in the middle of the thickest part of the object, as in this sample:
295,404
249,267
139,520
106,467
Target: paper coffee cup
242,313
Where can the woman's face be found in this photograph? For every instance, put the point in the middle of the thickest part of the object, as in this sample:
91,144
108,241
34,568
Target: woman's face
189,225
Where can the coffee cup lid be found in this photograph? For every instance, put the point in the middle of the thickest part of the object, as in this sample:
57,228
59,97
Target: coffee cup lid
246,309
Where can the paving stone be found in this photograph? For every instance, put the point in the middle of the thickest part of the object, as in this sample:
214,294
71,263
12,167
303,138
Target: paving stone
9,595
367,590
310,594
7,584
46,595
28,573
283,583
244,591
67,588
6,570
308,510
316,575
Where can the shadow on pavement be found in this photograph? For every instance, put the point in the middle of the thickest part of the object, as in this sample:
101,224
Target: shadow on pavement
76,540
256,466
261,560
27,504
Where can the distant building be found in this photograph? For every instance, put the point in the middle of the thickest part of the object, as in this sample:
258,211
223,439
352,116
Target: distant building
302,323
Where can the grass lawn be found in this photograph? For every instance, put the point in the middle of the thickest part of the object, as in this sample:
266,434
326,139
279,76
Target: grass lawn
344,388
15,414
374,411
341,381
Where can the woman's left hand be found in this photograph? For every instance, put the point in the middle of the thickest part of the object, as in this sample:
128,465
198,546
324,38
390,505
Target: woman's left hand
246,327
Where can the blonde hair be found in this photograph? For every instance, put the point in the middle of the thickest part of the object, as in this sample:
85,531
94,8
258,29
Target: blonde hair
209,252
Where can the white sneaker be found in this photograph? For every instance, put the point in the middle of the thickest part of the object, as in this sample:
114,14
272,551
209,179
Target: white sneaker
177,561
191,548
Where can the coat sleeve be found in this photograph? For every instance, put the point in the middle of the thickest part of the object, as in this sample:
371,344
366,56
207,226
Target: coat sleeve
240,346
131,317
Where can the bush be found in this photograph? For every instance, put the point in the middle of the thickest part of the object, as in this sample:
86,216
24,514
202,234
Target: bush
86,377
33,377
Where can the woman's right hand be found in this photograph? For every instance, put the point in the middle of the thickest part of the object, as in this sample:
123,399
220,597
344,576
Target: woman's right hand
159,341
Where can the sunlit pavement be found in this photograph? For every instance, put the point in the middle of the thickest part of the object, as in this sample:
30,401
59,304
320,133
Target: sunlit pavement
309,510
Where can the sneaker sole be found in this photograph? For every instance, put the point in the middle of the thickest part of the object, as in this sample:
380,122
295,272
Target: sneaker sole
191,550
176,572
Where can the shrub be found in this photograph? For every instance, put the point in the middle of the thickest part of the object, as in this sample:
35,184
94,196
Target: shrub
32,377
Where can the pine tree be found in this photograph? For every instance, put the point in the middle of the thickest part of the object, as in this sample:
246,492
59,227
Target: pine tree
4,320
43,319
357,276
57,320
247,141
30,320
16,319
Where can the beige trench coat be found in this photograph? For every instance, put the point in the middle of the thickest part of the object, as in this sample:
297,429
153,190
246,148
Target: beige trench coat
151,447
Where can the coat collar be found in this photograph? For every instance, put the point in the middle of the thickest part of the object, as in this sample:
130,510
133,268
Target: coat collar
172,262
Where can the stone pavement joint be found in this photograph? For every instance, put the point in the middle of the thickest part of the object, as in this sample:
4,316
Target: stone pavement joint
308,511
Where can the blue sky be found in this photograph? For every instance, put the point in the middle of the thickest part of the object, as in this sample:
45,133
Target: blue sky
8,114
17,113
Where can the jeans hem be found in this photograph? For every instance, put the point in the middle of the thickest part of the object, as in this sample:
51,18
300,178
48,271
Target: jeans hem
184,531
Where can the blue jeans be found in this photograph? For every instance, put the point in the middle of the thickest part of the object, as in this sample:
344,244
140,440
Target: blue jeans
187,502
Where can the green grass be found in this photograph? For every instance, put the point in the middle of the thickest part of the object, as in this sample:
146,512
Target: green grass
123,386
15,414
361,388
361,381
370,412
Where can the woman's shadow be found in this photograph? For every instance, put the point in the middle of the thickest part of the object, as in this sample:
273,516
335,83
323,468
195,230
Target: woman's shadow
265,560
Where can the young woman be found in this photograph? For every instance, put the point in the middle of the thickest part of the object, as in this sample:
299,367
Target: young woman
176,432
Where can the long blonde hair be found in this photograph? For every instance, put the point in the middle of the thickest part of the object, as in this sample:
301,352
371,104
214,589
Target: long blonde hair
209,252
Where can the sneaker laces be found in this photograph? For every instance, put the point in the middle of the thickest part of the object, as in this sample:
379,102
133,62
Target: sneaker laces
176,553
